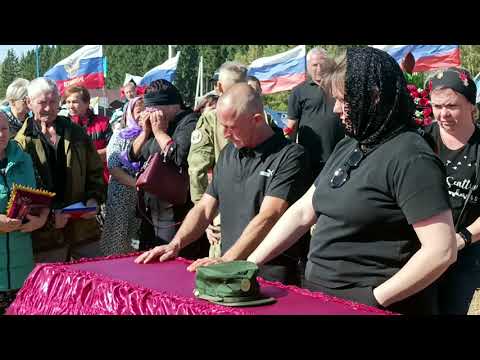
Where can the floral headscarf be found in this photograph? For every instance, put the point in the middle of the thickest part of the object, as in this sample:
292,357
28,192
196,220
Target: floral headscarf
456,79
132,130
379,104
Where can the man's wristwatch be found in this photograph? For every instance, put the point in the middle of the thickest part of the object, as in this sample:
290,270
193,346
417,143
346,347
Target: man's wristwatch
466,235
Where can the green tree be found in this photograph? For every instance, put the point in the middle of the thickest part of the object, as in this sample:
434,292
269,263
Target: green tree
9,71
187,70
26,65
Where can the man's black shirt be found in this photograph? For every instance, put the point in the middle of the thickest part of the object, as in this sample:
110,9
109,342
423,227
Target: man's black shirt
242,178
319,128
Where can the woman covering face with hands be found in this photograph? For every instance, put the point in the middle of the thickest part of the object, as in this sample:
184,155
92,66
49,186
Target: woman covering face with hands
167,125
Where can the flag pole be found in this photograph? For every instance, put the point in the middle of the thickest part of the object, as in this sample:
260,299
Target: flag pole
199,80
37,61
104,82
306,72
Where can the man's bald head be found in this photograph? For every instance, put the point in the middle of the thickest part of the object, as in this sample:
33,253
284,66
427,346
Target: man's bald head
240,111
241,100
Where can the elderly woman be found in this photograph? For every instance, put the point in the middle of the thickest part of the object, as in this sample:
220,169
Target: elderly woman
77,99
121,224
452,96
384,229
16,256
17,109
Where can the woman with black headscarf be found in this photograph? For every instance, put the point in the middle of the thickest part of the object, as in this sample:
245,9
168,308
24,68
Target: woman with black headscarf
384,230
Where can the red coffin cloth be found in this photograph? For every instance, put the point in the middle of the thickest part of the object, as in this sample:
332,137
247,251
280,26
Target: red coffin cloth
117,286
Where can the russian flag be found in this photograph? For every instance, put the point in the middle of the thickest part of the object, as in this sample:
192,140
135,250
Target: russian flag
164,71
84,67
280,72
427,57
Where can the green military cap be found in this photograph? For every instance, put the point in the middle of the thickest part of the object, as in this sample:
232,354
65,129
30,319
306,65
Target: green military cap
231,283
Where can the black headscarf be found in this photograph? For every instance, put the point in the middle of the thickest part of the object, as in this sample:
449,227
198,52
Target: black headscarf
379,104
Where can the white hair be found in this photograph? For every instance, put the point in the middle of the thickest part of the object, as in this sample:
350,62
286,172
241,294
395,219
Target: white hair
17,90
232,73
41,86
316,50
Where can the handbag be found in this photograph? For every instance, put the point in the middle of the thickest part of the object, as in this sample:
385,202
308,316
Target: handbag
164,180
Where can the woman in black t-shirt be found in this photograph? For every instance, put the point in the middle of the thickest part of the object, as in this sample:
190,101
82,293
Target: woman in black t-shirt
453,95
384,231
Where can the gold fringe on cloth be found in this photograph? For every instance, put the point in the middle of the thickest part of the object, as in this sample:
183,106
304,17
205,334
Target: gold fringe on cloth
474,308
40,196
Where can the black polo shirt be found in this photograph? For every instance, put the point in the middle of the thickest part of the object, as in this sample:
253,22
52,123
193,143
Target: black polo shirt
243,177
319,128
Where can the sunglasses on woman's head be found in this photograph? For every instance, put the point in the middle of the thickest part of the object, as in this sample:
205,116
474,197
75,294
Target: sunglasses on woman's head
341,175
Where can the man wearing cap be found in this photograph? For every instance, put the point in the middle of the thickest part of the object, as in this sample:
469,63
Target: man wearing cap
257,176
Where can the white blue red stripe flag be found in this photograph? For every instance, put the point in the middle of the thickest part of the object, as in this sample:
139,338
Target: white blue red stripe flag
164,71
280,72
427,57
84,67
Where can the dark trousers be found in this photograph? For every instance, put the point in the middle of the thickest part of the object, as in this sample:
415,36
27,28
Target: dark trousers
149,238
6,298
458,284
285,269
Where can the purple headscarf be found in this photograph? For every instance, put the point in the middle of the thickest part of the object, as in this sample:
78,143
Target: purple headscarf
132,130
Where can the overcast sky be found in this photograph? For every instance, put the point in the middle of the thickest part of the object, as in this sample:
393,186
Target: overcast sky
19,50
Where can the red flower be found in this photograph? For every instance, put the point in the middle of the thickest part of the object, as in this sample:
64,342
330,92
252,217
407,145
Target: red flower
464,78
425,93
414,94
427,121
424,102
411,87
426,112
419,121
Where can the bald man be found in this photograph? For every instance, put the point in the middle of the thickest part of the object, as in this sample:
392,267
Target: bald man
259,174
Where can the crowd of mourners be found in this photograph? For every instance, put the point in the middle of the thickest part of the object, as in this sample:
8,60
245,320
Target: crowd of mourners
352,198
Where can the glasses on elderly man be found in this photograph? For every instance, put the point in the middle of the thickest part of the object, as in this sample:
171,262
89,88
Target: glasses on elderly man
342,174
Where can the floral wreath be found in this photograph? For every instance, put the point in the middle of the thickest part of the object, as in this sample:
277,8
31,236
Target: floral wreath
423,111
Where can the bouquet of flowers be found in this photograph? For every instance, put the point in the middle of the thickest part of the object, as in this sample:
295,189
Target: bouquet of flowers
423,112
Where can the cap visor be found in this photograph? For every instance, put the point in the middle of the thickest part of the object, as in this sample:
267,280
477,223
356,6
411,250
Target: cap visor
262,301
